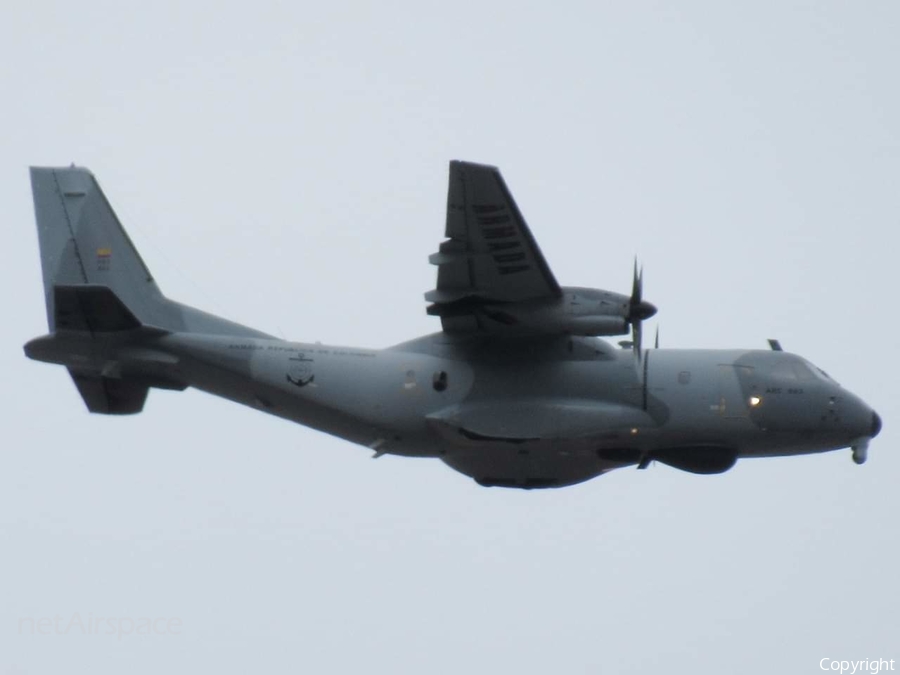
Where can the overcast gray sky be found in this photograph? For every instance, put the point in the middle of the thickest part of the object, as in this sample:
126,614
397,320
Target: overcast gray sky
285,164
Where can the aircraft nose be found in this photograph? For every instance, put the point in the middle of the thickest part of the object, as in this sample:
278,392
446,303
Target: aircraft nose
876,425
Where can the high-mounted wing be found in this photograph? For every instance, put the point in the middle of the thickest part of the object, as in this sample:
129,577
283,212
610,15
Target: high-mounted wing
490,256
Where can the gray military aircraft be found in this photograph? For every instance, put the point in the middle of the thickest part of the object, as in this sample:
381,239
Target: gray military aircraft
517,390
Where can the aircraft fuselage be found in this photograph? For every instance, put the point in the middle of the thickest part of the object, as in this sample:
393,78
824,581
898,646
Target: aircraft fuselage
526,414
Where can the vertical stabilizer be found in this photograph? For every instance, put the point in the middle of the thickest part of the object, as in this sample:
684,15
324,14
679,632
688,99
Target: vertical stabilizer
83,243
84,248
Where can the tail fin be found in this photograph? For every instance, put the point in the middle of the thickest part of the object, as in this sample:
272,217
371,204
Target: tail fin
102,300
82,242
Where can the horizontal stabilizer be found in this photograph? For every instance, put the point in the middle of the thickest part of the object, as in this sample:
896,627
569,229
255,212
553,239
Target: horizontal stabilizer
110,396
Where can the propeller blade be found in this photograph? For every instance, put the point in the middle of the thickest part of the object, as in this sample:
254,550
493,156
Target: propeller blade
636,333
637,285
638,308
656,341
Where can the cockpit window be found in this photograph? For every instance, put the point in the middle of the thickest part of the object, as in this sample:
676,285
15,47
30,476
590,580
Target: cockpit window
783,371
793,369
819,373
804,370
790,370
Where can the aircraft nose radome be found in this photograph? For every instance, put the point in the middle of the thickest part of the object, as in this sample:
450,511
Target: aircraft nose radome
876,425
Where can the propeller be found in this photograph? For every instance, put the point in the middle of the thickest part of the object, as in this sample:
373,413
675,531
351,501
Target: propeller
638,309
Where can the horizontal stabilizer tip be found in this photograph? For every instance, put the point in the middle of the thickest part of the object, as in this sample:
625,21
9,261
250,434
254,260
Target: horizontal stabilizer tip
110,396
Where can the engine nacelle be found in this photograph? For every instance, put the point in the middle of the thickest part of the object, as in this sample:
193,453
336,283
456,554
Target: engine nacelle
580,311
594,325
577,311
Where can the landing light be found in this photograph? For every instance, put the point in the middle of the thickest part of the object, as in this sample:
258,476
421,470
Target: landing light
755,401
